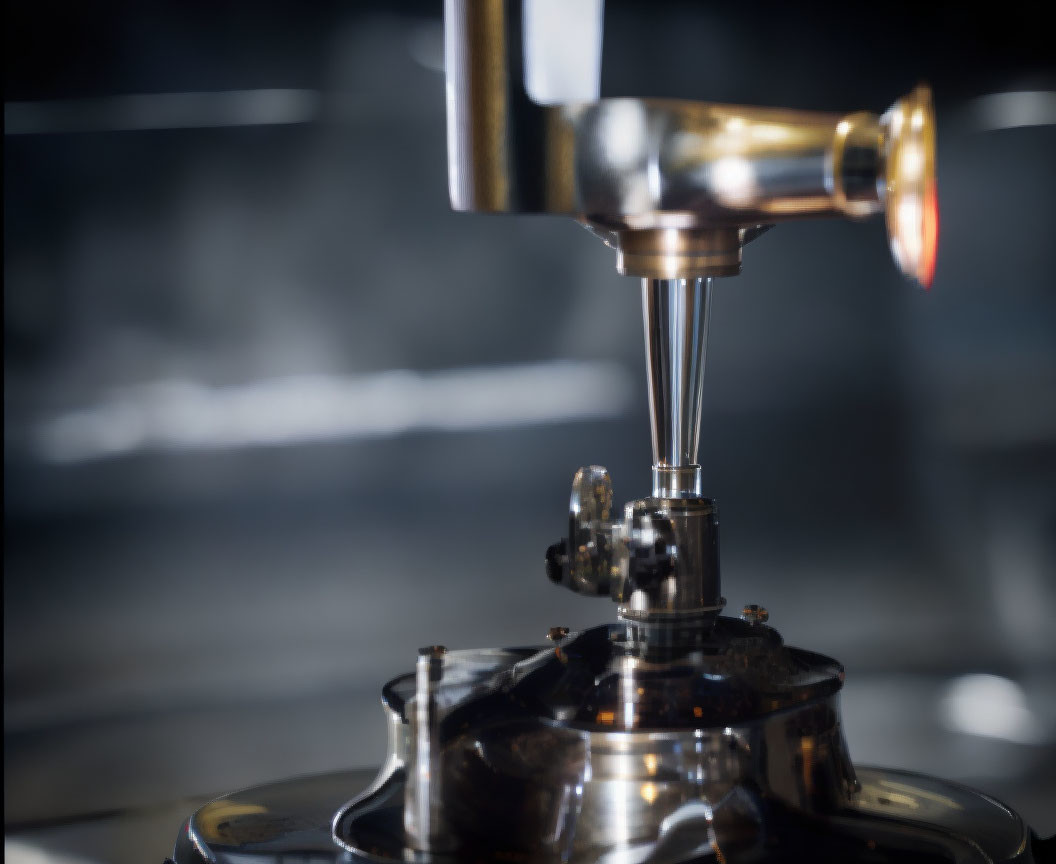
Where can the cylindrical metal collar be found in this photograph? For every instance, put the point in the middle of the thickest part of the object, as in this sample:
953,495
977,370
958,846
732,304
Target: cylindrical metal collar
679,253
682,481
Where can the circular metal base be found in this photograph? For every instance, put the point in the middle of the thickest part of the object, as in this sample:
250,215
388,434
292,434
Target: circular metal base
896,816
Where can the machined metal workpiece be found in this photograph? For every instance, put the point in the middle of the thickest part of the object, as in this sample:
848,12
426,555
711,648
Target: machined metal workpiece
613,748
659,560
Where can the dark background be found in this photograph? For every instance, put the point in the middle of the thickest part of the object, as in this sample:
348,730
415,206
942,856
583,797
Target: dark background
184,616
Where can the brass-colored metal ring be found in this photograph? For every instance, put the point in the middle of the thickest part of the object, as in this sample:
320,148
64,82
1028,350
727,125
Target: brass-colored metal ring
679,253
861,132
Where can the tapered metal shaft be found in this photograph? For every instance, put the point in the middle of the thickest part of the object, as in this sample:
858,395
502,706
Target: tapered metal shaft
675,313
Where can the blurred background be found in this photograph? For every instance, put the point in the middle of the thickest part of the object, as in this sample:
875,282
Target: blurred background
274,416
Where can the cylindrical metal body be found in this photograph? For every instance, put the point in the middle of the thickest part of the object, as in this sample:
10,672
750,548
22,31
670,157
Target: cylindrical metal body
676,315
423,806
693,588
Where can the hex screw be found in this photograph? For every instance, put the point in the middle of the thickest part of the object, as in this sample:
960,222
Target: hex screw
754,614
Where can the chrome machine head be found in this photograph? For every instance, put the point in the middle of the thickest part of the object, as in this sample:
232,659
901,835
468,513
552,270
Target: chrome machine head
676,188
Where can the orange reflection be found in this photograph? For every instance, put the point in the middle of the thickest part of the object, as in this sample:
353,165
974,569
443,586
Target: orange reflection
930,230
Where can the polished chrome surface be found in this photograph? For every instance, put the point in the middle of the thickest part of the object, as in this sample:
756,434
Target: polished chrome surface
285,821
612,740
683,481
676,314
648,764
692,586
689,175
659,561
592,535
894,817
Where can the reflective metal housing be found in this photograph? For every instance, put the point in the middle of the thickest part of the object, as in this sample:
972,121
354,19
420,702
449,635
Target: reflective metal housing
895,817
609,748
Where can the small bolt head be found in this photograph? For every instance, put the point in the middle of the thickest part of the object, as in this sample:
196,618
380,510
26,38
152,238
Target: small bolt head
556,634
754,614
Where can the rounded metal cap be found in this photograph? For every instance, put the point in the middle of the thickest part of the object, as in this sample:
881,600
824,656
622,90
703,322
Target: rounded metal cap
911,198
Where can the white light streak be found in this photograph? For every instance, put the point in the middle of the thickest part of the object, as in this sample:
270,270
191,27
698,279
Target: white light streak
1016,109
143,111
989,706
23,852
189,416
